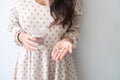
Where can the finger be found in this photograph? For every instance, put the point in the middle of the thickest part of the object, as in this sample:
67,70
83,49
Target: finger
60,52
55,54
70,48
29,47
54,50
34,44
58,55
63,54
26,47
31,38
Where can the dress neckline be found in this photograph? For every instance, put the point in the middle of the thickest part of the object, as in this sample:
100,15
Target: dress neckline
45,6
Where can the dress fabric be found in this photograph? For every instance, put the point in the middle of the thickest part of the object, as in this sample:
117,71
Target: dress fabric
29,16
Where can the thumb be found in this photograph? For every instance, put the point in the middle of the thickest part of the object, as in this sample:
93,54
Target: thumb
30,37
70,49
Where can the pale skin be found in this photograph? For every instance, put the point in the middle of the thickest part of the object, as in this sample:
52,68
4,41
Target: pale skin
65,45
29,42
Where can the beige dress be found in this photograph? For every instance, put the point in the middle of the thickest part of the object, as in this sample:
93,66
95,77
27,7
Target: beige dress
29,16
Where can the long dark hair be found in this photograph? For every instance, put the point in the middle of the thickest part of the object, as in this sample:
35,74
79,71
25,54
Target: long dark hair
63,12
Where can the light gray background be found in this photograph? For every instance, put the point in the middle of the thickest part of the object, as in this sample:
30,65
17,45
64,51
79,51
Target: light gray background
97,56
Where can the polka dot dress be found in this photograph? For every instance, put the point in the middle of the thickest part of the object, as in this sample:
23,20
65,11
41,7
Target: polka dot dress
31,17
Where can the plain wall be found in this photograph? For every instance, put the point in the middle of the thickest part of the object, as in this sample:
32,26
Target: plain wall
8,49
97,56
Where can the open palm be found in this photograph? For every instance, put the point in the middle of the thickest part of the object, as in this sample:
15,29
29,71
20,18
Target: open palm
61,49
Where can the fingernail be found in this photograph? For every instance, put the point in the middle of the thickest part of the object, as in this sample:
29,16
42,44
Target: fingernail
70,51
51,54
36,48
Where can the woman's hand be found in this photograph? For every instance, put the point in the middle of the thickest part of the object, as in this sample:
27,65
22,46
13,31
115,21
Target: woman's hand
28,41
61,49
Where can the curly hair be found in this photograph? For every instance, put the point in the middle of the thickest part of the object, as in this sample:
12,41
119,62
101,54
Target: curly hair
63,12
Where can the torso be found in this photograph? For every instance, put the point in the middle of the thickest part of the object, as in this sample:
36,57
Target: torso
34,16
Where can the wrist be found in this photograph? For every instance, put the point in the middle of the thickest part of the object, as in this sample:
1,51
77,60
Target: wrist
68,39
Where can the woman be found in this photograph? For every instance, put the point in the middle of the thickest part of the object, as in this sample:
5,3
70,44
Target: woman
59,20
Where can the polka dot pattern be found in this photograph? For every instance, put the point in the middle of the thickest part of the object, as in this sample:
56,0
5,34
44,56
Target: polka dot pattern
31,17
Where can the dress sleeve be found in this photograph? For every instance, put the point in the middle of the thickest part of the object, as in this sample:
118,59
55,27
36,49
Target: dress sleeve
14,27
74,31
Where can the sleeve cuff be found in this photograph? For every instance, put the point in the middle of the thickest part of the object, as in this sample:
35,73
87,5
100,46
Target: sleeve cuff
18,43
74,39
